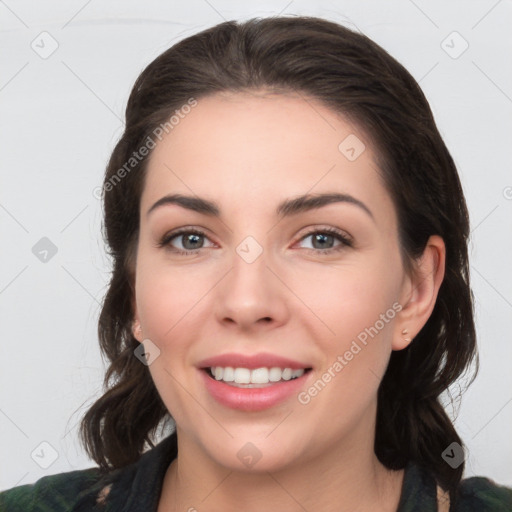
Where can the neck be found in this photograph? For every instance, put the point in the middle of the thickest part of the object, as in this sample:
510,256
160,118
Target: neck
344,478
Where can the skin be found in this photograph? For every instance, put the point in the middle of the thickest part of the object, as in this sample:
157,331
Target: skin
248,152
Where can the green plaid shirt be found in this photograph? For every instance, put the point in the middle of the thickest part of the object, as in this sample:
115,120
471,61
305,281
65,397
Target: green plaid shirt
137,488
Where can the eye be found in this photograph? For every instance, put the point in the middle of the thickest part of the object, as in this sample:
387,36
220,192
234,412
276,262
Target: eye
191,240
324,239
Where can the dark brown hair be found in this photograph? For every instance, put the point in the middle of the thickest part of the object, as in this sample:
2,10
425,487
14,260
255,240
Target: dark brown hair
356,78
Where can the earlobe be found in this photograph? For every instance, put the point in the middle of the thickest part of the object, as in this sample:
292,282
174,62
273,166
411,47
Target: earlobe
137,330
421,293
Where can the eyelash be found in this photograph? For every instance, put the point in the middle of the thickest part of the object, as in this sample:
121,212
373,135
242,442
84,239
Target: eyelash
345,241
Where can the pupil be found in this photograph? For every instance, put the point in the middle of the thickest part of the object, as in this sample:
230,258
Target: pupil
322,237
191,237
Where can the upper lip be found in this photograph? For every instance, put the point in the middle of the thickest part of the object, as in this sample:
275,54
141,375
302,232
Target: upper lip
261,360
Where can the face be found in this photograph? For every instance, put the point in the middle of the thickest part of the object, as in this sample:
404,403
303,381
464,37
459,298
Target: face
251,286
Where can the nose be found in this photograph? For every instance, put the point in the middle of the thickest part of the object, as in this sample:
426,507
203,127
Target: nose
252,294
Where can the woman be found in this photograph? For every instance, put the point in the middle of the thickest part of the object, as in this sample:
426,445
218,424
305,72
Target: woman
290,287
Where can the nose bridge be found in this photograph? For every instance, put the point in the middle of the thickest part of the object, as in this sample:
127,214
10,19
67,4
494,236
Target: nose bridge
250,274
250,290
250,250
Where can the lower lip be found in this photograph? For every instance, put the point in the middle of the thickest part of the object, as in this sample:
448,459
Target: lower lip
253,399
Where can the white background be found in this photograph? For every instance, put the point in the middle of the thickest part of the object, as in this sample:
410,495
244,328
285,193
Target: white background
61,116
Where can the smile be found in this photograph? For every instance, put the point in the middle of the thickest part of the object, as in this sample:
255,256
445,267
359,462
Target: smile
251,378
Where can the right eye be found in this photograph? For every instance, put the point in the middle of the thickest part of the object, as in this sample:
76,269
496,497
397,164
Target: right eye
190,240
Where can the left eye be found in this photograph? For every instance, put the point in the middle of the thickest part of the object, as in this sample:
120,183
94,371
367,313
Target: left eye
325,238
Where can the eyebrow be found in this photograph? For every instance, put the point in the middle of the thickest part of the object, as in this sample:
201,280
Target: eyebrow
287,208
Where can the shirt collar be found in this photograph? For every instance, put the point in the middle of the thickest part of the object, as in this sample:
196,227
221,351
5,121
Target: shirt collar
418,490
137,487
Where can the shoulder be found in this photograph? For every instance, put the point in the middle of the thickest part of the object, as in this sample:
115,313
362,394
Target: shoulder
138,484
475,494
481,494
55,493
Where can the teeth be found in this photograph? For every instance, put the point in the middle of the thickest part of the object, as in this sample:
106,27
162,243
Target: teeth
256,376
242,375
228,375
259,376
287,373
274,374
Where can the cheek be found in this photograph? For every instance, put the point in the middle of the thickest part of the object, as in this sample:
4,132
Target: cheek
354,309
348,299
356,352
166,295
166,300
156,305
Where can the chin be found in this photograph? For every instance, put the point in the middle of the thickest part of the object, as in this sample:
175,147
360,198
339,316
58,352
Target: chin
252,461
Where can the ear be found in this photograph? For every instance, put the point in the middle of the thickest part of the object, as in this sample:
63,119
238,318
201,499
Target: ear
419,293
136,327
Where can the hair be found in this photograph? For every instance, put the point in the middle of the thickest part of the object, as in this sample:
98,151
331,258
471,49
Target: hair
356,78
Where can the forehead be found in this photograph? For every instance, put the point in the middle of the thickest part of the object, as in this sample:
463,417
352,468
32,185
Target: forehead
253,149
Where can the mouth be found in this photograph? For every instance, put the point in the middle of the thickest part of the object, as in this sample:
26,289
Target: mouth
250,378
253,389
253,382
